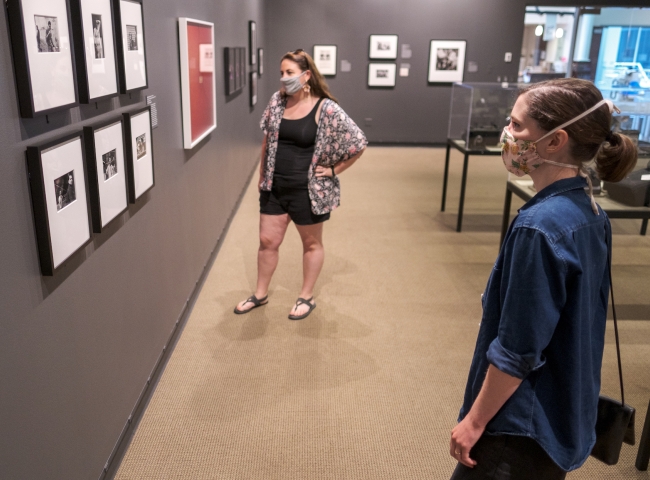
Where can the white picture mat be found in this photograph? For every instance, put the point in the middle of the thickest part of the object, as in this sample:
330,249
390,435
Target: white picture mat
112,192
185,84
446,76
388,81
69,227
142,167
134,62
375,52
51,73
102,79
325,67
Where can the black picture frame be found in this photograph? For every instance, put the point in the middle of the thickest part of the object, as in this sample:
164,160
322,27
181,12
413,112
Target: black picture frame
119,35
376,56
229,69
317,61
130,161
93,174
461,46
42,220
21,54
243,67
252,41
83,82
253,88
260,62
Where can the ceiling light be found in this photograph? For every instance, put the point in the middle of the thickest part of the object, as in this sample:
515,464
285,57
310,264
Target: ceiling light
539,30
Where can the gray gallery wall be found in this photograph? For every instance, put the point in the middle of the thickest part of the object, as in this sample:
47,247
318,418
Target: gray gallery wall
413,111
76,350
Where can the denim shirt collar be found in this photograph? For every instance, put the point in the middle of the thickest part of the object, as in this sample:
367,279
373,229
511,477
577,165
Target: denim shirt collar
555,188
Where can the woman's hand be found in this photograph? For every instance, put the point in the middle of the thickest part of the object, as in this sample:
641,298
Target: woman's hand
322,171
463,437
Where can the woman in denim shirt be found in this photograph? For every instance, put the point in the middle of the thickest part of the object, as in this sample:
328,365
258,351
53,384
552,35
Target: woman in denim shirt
530,402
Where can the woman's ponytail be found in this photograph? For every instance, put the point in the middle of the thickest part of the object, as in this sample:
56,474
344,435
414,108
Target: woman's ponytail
616,157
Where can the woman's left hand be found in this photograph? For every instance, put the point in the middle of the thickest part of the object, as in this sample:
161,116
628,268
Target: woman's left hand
322,171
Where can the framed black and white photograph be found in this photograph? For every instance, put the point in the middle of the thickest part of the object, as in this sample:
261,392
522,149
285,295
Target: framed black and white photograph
325,59
60,201
94,49
106,168
260,62
253,88
43,58
229,69
381,74
383,47
252,41
242,65
131,51
446,61
238,69
139,152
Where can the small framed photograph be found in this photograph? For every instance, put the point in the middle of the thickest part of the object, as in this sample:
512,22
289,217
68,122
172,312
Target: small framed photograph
41,41
131,51
198,83
260,62
381,74
325,59
446,61
253,88
229,69
139,152
243,64
238,68
94,49
105,163
252,41
60,200
383,47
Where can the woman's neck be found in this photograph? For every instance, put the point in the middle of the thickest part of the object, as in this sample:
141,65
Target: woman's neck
297,98
548,174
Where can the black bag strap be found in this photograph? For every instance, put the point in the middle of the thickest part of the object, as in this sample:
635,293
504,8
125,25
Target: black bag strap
611,291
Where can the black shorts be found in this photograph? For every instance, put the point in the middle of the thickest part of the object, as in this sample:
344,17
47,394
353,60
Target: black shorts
294,201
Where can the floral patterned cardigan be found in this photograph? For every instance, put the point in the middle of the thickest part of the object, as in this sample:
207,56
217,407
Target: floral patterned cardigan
338,139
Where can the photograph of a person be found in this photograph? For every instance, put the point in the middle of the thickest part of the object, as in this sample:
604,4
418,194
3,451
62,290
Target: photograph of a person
325,56
292,187
98,36
132,37
383,46
382,73
47,34
109,161
141,145
447,59
64,190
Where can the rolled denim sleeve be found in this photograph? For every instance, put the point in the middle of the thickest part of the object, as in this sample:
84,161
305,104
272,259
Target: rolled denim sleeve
533,294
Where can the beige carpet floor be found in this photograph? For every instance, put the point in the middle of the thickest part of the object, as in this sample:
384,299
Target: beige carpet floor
368,386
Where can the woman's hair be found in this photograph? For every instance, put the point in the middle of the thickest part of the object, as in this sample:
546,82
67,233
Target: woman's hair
554,102
316,82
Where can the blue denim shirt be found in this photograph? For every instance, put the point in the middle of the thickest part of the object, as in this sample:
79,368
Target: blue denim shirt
544,315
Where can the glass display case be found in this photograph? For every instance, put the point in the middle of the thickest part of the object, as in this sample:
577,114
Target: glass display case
478,113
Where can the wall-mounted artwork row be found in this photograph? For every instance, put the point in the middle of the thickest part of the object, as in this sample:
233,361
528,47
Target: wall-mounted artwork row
198,85
446,61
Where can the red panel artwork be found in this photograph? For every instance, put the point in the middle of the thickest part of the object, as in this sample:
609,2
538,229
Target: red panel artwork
201,92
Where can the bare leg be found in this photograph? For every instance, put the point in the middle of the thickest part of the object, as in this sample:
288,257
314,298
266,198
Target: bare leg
313,256
272,230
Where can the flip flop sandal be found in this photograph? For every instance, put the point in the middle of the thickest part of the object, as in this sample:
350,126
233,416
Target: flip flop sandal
257,302
302,301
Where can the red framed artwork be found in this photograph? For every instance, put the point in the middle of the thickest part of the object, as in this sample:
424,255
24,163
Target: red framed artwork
198,85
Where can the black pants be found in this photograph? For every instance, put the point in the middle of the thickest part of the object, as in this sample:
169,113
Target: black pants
509,457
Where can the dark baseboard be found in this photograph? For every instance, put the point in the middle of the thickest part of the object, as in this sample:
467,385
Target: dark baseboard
121,446
408,144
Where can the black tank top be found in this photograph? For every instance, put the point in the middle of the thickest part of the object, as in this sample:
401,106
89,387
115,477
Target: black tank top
296,144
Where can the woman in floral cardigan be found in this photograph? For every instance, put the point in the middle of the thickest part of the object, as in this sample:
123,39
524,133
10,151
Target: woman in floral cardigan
308,141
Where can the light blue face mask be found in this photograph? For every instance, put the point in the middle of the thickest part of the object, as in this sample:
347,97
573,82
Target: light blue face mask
292,84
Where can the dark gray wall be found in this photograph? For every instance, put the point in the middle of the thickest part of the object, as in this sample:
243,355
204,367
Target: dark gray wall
76,349
413,111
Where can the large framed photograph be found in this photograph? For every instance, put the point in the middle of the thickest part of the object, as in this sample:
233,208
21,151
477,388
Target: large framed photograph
198,83
325,59
42,50
94,48
381,74
105,163
131,51
139,152
252,41
253,88
59,199
383,47
446,61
